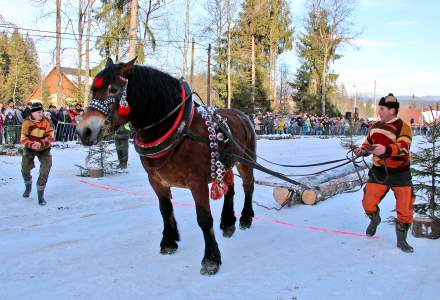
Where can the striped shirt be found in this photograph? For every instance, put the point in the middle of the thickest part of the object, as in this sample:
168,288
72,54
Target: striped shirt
37,131
396,136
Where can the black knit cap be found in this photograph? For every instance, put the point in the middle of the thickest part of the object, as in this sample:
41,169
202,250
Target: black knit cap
36,106
389,101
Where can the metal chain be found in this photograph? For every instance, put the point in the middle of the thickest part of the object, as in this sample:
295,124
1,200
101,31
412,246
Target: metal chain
217,167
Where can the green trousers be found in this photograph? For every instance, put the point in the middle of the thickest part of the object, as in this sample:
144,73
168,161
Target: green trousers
122,150
27,164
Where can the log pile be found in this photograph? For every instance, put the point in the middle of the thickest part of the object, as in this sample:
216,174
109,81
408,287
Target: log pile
318,187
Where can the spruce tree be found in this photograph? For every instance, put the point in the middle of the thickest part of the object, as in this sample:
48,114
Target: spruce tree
426,171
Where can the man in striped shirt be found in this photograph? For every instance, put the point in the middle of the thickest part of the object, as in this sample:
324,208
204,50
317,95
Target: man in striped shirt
389,141
36,136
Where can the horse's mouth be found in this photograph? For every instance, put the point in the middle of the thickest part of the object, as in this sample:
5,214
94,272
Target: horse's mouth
90,137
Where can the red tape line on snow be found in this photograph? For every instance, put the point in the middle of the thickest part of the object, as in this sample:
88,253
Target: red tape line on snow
273,221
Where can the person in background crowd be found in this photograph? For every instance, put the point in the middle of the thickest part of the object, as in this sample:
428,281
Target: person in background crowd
10,122
37,136
257,123
53,115
27,110
72,114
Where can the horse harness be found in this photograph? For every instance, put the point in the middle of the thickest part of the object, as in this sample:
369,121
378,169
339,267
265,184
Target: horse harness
220,139
164,146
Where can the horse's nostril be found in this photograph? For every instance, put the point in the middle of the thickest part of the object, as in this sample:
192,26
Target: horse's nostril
87,133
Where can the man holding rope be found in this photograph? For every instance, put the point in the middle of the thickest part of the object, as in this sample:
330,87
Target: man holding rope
389,141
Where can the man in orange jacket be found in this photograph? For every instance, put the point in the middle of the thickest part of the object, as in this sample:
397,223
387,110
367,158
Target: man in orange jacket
389,141
36,136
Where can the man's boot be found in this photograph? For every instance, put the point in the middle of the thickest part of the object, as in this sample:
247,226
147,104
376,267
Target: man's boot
40,192
28,189
374,222
401,233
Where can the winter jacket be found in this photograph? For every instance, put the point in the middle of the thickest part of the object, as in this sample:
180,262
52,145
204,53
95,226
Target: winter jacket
37,131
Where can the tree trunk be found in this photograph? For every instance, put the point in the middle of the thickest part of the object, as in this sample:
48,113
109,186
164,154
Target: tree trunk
60,101
324,84
80,45
229,58
185,42
87,67
253,74
133,29
271,99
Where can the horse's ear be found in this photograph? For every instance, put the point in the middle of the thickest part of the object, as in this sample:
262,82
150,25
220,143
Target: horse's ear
125,69
109,62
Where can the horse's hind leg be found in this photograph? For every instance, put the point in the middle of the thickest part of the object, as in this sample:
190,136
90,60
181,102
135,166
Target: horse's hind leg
170,234
247,175
227,223
212,259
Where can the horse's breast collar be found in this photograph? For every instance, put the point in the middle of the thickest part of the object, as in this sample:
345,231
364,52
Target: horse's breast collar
165,144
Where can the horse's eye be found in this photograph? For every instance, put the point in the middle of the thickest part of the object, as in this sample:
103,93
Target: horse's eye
113,90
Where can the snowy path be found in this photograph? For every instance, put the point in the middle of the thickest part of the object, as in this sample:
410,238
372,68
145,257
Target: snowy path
99,239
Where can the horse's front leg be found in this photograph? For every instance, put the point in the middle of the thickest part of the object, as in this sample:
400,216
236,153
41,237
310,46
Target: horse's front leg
212,259
170,234
227,223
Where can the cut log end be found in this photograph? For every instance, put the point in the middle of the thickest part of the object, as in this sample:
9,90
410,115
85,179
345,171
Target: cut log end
309,197
281,195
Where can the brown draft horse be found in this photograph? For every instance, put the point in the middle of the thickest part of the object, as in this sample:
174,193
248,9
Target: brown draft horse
152,97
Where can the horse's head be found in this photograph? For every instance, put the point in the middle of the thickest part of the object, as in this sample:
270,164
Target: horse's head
108,91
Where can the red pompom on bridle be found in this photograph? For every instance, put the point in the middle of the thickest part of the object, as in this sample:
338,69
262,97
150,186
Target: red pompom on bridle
124,107
98,83
123,110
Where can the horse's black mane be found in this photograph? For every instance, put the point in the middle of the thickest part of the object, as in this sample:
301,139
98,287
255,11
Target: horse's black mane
151,93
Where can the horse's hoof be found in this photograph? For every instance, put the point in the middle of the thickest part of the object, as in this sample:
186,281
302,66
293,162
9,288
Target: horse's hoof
167,250
168,247
228,231
209,267
245,223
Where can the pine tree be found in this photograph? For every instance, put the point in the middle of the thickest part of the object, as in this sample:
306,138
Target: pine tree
114,15
20,69
268,23
426,170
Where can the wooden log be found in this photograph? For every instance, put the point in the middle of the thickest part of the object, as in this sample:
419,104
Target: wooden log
96,172
284,191
334,174
331,188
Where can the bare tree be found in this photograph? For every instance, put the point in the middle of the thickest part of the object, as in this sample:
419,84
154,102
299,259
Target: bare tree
58,52
186,40
88,31
133,29
220,20
149,12
333,30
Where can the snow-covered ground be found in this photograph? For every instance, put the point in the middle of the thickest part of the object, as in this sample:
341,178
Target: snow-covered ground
99,239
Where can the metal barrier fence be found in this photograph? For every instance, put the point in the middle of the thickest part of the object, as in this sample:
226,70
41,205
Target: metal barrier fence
329,131
11,134
65,132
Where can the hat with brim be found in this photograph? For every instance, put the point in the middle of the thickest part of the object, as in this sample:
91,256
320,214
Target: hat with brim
389,101
36,106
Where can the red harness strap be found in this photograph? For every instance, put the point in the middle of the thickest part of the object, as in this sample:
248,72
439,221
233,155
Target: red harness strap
170,131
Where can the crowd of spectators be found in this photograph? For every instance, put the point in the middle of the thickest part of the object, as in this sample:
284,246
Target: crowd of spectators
306,124
63,120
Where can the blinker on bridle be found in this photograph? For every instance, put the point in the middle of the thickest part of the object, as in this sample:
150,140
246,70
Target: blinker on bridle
103,106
